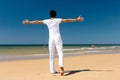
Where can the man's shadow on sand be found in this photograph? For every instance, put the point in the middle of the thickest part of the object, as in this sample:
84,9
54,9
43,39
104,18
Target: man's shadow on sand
71,72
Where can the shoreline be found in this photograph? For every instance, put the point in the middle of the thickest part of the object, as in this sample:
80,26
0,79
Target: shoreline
9,58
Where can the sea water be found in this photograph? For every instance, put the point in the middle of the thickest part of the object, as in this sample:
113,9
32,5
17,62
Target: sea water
43,49
14,52
97,49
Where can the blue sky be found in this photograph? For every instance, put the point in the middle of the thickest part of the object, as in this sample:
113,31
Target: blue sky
101,24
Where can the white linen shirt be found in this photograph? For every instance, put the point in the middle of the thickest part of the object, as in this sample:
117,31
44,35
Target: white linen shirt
53,27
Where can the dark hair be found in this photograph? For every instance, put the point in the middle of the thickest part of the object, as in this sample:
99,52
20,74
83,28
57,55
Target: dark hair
53,13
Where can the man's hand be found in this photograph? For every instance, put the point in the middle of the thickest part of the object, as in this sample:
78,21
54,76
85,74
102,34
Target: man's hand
80,18
26,21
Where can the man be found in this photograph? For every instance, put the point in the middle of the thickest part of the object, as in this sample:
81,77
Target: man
55,40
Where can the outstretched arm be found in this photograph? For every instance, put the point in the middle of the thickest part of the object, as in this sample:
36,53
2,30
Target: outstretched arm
32,22
73,20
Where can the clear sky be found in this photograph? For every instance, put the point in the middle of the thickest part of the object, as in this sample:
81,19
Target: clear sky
101,24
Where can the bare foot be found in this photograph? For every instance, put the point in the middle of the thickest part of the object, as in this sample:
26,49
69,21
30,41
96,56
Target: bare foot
62,71
54,73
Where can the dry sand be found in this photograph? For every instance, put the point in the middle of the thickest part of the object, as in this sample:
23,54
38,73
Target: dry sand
84,67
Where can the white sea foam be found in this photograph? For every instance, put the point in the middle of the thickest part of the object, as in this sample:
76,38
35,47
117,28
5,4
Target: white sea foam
73,49
95,50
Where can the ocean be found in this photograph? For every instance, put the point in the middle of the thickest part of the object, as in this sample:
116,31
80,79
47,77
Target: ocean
18,52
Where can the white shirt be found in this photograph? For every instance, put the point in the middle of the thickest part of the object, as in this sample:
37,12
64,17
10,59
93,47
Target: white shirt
53,27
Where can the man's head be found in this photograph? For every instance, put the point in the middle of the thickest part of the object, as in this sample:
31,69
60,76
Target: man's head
52,13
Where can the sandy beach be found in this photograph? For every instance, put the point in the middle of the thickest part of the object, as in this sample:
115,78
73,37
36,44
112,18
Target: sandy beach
84,67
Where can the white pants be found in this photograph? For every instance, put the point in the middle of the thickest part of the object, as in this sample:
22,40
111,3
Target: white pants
53,43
